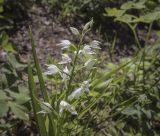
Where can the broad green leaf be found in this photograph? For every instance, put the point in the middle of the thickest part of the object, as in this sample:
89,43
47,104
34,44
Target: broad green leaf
127,18
133,5
5,127
3,95
20,97
114,12
14,61
150,17
6,45
3,107
18,111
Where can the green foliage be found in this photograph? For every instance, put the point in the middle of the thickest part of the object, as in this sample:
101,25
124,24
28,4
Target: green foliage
140,80
123,99
124,15
59,108
78,96
5,44
13,93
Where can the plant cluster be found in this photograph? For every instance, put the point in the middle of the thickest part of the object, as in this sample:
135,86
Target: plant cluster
71,96
86,100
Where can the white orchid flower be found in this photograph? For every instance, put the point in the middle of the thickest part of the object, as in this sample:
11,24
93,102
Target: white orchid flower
87,50
64,105
75,94
85,86
64,44
65,73
95,44
78,92
90,63
65,59
52,69
74,31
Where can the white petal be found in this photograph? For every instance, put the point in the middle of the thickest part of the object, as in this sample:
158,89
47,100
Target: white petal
87,50
74,31
78,92
85,86
52,69
90,63
65,73
66,70
64,44
65,59
75,94
95,44
67,106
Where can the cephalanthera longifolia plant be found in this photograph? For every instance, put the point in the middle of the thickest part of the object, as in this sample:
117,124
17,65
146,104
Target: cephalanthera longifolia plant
72,77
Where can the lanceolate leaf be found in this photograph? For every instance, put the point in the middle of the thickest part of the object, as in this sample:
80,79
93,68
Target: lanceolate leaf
37,65
52,130
36,107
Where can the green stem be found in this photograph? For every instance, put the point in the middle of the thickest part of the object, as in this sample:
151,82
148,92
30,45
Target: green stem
73,69
149,32
144,71
133,28
136,39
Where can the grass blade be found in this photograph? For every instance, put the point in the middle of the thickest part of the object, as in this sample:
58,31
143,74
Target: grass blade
107,75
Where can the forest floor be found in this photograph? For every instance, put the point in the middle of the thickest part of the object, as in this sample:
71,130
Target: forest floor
48,31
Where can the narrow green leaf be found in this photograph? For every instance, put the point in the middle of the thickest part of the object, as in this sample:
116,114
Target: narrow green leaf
38,68
36,107
52,128
107,75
